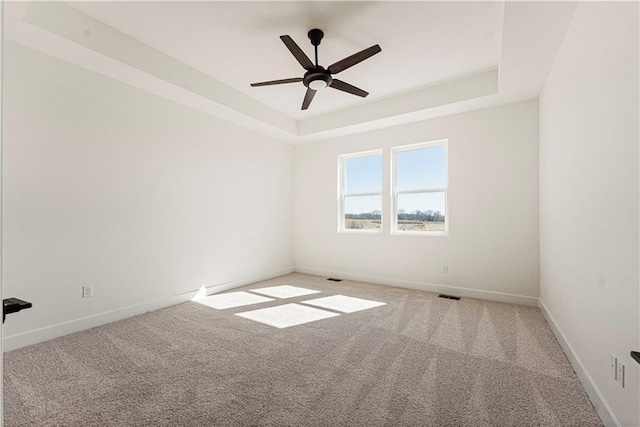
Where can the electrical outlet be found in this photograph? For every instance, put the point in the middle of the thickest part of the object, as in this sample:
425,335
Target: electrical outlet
87,291
612,366
445,268
620,373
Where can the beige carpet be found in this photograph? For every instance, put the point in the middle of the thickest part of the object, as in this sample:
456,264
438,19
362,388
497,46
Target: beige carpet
418,360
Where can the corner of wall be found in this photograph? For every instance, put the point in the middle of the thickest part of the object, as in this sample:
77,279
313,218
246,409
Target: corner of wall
598,401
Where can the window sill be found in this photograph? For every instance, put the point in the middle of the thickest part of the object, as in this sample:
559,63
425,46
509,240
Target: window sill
421,233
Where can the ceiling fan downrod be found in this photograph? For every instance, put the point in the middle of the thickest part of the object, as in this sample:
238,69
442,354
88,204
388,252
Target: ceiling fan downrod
315,36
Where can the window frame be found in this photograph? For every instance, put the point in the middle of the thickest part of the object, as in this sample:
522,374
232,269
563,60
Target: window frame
342,194
395,192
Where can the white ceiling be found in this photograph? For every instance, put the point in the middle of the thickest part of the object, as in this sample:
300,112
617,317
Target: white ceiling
437,57
238,43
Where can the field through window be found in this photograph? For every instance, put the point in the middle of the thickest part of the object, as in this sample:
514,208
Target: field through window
419,188
361,191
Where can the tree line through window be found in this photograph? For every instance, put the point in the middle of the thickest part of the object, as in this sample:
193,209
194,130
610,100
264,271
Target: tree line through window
418,190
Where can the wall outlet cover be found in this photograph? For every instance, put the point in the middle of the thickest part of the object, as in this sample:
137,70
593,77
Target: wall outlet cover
87,291
620,373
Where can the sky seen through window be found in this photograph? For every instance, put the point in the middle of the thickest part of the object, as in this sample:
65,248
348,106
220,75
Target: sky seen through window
416,169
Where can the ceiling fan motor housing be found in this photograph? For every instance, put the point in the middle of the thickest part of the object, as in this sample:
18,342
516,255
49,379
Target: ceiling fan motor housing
317,78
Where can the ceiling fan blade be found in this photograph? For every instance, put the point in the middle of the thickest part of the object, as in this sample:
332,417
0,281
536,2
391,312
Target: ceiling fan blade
308,97
278,82
302,58
346,87
352,60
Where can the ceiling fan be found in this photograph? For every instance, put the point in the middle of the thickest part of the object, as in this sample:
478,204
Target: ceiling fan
317,77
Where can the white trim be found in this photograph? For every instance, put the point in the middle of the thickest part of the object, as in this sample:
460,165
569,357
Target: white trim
368,193
421,233
368,153
420,145
362,231
24,339
424,286
395,193
424,190
598,401
342,194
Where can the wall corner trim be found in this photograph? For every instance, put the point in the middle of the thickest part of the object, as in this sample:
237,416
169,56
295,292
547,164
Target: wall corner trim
599,403
14,342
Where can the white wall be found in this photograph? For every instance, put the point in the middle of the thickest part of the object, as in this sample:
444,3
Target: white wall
144,199
1,127
589,199
493,208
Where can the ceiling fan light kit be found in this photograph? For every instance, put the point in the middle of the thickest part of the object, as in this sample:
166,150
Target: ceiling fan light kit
317,77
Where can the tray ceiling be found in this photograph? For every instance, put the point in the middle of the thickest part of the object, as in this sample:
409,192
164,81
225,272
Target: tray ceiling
437,57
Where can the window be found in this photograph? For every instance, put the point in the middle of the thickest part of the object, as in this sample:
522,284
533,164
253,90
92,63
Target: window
360,192
419,189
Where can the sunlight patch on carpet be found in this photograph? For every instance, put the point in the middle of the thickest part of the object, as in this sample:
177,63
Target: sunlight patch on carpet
202,293
232,299
284,291
284,316
344,304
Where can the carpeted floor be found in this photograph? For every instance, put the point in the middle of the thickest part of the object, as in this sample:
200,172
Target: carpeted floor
418,360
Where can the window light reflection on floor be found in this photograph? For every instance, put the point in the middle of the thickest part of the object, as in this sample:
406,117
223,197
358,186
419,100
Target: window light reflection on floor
284,291
232,299
343,303
284,316
200,294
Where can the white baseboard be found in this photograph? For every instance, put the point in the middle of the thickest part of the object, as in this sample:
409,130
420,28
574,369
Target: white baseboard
423,286
24,339
599,403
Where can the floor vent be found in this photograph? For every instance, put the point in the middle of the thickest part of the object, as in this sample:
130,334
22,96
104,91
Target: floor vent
449,297
334,280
